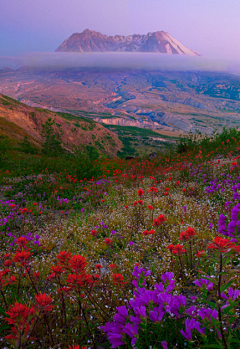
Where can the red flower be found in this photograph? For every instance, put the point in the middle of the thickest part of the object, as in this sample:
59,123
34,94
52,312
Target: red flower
191,232
56,272
170,247
118,279
140,192
37,275
7,263
64,257
158,221
22,242
112,266
21,257
150,207
19,314
11,280
222,245
153,189
108,241
44,302
126,206
200,253
93,232
78,263
76,281
178,250
98,266
184,236
150,232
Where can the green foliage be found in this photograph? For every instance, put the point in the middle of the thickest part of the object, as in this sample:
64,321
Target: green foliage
52,138
206,142
127,149
85,162
4,146
135,131
71,117
26,147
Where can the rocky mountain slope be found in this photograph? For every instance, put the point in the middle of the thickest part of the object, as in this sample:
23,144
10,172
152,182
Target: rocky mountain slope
92,41
18,120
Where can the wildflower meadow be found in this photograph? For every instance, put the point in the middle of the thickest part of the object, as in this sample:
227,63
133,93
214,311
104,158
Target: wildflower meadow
142,254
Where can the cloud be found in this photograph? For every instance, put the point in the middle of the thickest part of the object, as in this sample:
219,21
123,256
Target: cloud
120,61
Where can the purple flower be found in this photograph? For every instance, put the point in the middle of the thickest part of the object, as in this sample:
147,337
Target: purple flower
232,294
140,311
167,277
222,224
156,315
132,331
192,311
138,272
203,282
234,213
187,334
207,313
189,326
131,243
164,345
121,314
231,228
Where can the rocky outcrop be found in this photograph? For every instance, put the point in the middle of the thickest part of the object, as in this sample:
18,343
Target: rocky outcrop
91,41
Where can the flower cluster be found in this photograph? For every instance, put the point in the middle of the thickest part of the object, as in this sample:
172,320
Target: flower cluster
147,307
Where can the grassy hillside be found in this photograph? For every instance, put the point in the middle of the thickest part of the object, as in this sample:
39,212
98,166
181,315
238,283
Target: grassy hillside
140,141
76,131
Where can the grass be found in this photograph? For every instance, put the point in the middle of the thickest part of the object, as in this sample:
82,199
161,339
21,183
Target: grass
134,131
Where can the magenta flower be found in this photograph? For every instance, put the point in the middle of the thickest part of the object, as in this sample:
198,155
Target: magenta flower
189,326
232,294
203,282
164,345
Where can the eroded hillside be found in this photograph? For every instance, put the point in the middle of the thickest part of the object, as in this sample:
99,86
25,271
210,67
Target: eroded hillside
76,130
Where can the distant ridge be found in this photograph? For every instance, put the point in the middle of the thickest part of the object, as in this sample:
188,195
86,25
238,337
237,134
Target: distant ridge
92,41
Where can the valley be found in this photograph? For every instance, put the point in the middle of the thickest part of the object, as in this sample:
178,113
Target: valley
173,101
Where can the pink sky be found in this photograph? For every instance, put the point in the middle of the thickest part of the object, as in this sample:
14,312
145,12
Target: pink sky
208,26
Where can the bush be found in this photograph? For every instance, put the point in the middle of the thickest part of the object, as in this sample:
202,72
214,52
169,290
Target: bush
52,138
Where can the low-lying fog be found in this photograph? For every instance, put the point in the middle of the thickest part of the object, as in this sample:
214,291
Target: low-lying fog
123,60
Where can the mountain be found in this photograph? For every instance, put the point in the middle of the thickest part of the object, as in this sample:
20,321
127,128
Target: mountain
91,41
18,120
